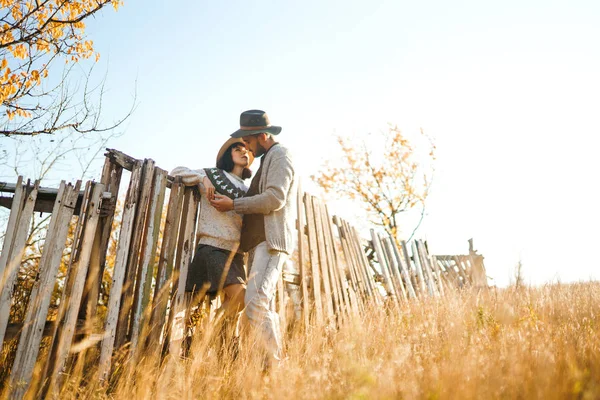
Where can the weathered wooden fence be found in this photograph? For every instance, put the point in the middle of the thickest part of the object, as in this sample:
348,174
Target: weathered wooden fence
339,273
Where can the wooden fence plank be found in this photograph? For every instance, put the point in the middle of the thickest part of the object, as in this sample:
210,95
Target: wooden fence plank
337,279
362,264
129,296
340,270
111,179
430,267
412,269
304,271
393,263
331,266
350,276
357,263
460,271
478,274
399,290
427,270
69,306
393,269
467,268
320,240
172,326
15,210
140,312
185,251
383,265
14,249
314,261
367,268
165,266
438,274
403,271
420,277
448,273
451,273
119,270
8,275
357,290
37,310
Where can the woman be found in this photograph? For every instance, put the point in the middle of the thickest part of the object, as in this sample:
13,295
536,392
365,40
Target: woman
217,264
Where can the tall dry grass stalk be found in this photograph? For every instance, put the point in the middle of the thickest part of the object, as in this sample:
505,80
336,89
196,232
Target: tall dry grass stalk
514,344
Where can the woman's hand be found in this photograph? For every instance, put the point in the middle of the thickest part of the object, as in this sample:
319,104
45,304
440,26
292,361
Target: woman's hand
209,188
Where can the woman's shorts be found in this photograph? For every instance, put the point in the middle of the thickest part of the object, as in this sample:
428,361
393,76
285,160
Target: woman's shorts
208,266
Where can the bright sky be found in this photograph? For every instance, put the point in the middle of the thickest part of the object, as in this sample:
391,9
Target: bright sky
510,92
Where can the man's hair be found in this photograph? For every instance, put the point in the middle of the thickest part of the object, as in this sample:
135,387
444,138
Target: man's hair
226,162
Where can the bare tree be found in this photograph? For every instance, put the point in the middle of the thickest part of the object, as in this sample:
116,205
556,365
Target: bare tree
34,36
383,176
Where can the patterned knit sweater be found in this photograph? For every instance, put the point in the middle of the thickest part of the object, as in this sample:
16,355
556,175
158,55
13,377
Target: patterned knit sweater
214,228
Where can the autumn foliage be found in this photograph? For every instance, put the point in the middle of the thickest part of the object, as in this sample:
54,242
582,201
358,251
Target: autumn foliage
33,35
386,177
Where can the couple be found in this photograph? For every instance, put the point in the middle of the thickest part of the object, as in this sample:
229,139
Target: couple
235,219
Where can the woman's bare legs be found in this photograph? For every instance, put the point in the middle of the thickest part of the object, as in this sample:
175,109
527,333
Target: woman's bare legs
230,310
234,299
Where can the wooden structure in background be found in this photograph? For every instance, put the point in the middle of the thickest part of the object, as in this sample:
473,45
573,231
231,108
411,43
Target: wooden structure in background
339,274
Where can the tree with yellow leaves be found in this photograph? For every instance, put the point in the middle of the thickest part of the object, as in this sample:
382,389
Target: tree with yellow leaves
34,36
384,176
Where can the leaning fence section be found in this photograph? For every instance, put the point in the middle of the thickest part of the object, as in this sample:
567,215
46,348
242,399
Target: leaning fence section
337,274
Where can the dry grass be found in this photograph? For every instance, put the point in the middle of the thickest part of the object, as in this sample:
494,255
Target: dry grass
525,344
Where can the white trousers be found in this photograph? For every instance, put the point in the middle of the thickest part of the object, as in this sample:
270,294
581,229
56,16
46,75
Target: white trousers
265,269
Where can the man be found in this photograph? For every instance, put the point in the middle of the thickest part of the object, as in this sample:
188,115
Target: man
268,228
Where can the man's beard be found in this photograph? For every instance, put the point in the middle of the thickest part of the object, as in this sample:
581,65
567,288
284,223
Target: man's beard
260,150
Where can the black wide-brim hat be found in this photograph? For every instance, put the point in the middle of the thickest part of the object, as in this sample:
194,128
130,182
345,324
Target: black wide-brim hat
253,122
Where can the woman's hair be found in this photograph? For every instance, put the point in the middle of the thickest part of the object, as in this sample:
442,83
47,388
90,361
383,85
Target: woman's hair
226,162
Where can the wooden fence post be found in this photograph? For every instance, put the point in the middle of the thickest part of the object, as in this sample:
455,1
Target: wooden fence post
382,264
314,262
323,262
64,326
374,294
165,268
352,282
185,251
129,296
111,179
337,278
461,271
9,236
119,270
13,247
357,294
393,264
37,310
403,271
424,261
438,274
360,270
417,264
140,312
304,271
412,270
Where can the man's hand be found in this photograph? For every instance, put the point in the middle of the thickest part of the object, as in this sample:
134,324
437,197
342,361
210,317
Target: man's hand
222,203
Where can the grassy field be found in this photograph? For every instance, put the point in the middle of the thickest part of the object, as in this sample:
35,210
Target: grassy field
531,343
